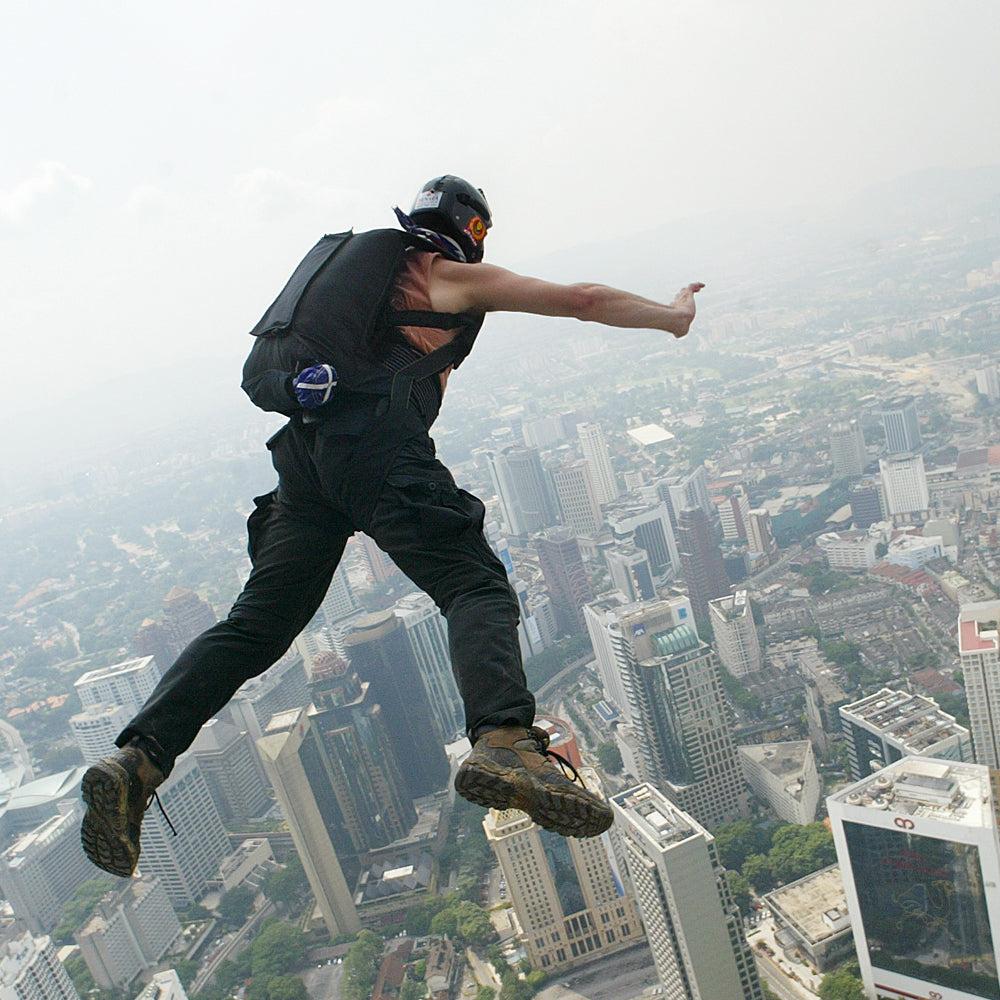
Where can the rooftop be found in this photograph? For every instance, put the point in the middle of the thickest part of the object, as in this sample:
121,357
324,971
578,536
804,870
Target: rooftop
656,816
125,667
912,720
783,760
978,626
650,434
815,906
732,606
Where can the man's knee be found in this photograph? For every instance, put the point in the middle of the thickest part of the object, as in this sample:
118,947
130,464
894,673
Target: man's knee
485,592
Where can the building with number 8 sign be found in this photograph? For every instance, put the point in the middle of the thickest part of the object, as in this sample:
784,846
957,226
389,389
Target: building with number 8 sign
918,847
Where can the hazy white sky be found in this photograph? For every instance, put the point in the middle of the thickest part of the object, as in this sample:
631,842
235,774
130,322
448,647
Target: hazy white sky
166,165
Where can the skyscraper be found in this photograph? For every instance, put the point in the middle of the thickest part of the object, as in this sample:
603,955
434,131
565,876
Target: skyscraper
692,924
127,684
678,710
595,452
648,526
566,892
918,851
381,654
979,648
734,513
340,601
630,571
847,449
30,969
760,535
902,429
527,499
96,727
282,687
289,752
231,769
701,561
735,632
152,640
185,616
904,484
600,616
681,489
565,577
380,566
581,510
866,504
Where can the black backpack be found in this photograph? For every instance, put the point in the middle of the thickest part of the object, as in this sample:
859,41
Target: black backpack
336,310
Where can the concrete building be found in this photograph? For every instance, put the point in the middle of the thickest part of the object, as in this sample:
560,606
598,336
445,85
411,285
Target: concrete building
988,382
250,863
96,727
888,725
163,986
581,509
915,551
286,750
595,453
185,616
30,970
784,776
866,504
566,892
760,534
565,577
979,648
813,919
527,499
734,513
340,601
918,852
40,871
682,490
847,450
702,567
692,924
279,688
599,617
232,770
678,710
736,639
630,572
850,550
130,930
128,683
904,485
648,526
902,429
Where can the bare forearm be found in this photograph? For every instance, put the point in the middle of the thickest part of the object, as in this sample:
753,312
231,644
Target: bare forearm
614,307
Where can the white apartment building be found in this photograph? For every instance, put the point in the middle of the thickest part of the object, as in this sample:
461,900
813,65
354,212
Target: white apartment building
853,550
904,485
96,727
128,684
30,970
581,509
784,776
736,639
595,451
599,616
988,382
164,986
979,648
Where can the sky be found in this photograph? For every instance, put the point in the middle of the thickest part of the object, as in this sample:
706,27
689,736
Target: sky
165,166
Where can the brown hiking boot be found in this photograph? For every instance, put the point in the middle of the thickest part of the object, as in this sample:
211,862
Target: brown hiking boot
513,768
117,790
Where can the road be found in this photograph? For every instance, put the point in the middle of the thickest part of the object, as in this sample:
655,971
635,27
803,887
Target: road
618,977
230,948
779,982
553,682
482,970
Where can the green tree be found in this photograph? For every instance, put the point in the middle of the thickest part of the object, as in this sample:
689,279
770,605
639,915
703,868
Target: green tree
485,993
236,905
610,758
412,990
757,871
278,949
740,889
798,850
841,985
361,967
286,988
186,970
76,910
735,842
286,886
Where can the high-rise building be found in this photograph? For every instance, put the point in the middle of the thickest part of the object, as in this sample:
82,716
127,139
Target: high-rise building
680,490
595,452
847,449
129,931
380,566
231,769
600,616
40,871
96,727
289,753
735,631
979,648
866,504
381,654
904,484
185,616
988,382
281,687
918,851
163,986
678,710
565,577
888,725
127,684
340,601
701,561
648,526
784,776
733,509
902,429
427,632
184,863
543,432
581,510
152,640
527,500
566,892
692,924
630,571
30,968
760,534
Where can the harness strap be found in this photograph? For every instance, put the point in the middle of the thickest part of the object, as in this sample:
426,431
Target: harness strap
427,318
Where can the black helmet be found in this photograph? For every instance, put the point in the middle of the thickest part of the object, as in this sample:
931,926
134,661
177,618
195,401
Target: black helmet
454,207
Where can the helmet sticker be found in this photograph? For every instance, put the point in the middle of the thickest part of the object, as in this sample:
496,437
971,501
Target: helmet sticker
427,199
476,229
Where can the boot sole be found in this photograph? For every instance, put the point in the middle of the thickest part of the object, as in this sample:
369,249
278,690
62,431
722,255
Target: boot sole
104,832
569,813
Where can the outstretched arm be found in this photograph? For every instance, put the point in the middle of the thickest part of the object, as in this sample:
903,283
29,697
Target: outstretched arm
458,287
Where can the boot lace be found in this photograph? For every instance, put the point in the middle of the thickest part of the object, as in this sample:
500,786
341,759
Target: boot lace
541,739
154,797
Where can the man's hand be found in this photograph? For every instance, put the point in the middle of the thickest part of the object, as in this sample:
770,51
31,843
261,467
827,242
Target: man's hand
684,304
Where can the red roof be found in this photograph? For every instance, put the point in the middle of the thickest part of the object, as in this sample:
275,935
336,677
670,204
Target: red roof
970,641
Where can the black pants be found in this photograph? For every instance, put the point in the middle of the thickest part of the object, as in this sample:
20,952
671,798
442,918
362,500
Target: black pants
329,486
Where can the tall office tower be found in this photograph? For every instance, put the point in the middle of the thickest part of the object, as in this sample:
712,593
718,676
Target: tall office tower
530,636
692,924
128,932
979,648
282,687
648,525
543,432
527,500
152,640
128,684
902,429
340,601
847,449
679,711
30,968
291,756
163,986
96,727
578,501
917,845
185,616
735,631
988,382
702,567
427,633
734,513
231,770
364,770
680,490
904,484
187,862
542,615
380,653
40,871
565,576
889,725
866,504
630,571
760,535
566,892
599,616
595,452
380,566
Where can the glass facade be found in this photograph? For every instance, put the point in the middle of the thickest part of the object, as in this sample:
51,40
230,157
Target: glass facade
923,907
563,872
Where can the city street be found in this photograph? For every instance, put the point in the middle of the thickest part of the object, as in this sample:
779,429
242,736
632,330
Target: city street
619,977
